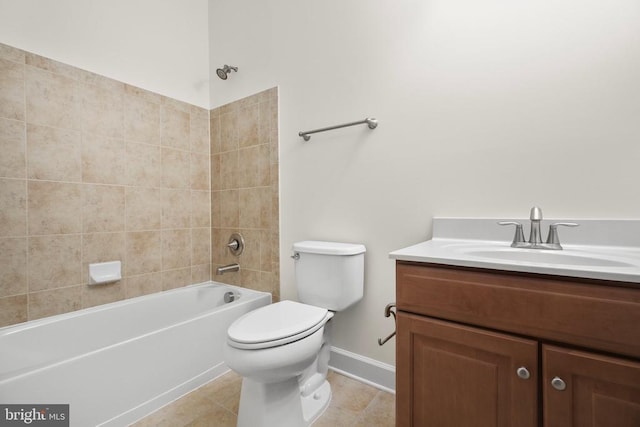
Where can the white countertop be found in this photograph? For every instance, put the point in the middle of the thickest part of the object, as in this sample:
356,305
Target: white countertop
613,254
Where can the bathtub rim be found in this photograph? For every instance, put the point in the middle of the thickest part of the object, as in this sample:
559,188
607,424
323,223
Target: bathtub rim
29,324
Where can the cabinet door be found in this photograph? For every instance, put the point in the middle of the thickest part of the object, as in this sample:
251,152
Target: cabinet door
449,375
589,390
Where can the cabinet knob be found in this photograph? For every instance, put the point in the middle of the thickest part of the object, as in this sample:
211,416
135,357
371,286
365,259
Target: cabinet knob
523,373
558,383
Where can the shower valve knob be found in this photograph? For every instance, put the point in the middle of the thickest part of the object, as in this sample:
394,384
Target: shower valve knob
236,244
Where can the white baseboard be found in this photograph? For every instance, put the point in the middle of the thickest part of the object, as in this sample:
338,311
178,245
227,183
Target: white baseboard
364,369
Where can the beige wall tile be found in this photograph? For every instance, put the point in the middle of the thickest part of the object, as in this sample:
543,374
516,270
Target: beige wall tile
143,94
200,246
176,208
176,168
13,266
251,279
200,209
175,249
52,99
229,131
13,148
52,66
230,169
201,273
248,124
172,279
102,294
219,239
12,82
54,262
255,207
93,79
229,209
141,116
271,283
215,172
102,247
215,209
143,208
57,301
175,128
175,104
11,53
54,154
143,285
103,159
13,207
200,171
264,123
244,183
144,252
268,249
143,165
13,310
87,138
102,208
199,130
250,258
255,166
103,109
215,132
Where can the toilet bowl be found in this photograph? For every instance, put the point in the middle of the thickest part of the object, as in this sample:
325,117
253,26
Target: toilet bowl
282,350
278,350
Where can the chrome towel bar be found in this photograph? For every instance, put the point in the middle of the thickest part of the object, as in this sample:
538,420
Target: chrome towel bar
388,312
370,121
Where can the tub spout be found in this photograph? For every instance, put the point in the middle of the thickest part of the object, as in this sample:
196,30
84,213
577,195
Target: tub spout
227,268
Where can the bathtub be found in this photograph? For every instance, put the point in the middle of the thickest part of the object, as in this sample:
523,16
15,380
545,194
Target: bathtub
115,363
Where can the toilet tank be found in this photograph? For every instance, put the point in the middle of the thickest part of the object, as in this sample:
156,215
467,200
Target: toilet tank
329,274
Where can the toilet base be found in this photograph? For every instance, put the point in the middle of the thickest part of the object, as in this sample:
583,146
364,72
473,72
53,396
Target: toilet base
314,405
280,404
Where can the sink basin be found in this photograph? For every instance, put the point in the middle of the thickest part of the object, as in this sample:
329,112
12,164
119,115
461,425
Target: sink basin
544,257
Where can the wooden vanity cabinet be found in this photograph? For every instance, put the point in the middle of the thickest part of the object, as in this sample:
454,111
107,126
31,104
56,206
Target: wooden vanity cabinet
481,348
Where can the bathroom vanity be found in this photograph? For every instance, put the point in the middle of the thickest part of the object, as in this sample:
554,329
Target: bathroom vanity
489,341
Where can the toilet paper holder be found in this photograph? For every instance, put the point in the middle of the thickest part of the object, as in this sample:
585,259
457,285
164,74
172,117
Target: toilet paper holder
389,312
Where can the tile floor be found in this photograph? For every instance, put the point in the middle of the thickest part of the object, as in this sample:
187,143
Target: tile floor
215,404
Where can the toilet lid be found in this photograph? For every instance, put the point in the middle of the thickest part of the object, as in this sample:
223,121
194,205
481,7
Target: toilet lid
276,322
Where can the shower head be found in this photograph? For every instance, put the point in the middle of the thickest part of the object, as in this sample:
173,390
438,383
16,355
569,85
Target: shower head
222,72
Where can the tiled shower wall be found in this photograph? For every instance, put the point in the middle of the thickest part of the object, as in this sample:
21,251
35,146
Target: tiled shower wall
244,190
94,170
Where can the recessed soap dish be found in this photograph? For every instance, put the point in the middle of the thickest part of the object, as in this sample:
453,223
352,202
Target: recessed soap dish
101,273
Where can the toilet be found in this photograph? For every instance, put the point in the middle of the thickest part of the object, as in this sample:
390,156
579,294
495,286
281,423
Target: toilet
282,350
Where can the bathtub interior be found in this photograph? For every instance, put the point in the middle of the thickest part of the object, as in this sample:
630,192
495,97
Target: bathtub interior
39,343
136,355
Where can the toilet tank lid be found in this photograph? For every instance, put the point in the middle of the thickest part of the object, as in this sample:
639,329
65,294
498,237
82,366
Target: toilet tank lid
328,248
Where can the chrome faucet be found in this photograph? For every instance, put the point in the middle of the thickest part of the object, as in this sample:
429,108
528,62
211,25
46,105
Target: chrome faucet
227,268
535,237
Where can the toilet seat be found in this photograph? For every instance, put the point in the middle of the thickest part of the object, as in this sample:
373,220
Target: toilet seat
276,324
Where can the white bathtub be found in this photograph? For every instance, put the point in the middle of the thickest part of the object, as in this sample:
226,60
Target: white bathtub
117,362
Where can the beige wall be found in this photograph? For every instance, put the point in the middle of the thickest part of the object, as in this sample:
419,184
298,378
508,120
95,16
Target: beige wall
95,170
244,184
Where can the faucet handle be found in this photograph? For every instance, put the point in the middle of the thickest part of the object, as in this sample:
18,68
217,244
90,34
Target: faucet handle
518,237
535,214
552,239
